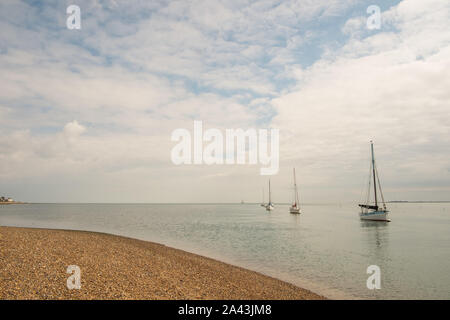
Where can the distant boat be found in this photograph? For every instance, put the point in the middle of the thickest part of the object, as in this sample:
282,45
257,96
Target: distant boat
270,206
373,211
295,207
262,203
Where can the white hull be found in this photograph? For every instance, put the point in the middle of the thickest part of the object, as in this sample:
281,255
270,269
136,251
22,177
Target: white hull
269,207
374,215
294,210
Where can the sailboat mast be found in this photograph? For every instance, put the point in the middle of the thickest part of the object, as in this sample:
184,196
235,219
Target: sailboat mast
373,173
270,196
295,182
295,189
263,195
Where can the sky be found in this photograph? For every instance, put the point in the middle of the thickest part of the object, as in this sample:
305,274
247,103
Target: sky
87,115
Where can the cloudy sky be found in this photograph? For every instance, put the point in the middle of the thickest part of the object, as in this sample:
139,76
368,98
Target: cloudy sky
87,115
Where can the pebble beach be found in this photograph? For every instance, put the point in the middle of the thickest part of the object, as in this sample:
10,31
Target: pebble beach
33,265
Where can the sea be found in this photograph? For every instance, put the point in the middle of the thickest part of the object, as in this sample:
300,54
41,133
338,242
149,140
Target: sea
326,249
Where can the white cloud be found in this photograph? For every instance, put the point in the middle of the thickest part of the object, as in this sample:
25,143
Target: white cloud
376,88
139,70
73,130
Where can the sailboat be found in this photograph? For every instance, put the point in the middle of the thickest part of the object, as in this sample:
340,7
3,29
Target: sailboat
270,206
295,207
262,203
374,211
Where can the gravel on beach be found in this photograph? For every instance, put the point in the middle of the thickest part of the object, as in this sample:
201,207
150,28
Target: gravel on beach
33,265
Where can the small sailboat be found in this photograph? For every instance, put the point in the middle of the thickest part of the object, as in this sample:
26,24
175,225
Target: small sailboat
374,211
269,205
262,203
295,207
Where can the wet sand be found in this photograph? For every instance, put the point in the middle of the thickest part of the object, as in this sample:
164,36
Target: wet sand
33,264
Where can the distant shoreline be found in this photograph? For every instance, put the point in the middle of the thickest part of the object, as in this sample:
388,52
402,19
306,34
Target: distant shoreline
418,201
116,267
219,203
13,202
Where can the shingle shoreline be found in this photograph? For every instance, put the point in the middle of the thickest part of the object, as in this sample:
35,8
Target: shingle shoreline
33,264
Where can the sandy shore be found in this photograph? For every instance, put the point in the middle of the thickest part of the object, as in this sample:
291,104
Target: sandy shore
33,265
14,202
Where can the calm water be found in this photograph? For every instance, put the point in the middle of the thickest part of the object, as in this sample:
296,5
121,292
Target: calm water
326,249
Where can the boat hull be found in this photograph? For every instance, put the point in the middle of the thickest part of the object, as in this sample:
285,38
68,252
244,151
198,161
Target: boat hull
294,210
374,215
269,207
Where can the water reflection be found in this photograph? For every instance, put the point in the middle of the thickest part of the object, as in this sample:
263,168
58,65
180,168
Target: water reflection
376,240
373,224
377,232
295,218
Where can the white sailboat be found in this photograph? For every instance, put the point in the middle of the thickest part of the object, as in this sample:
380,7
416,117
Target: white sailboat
295,207
270,206
374,211
262,203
